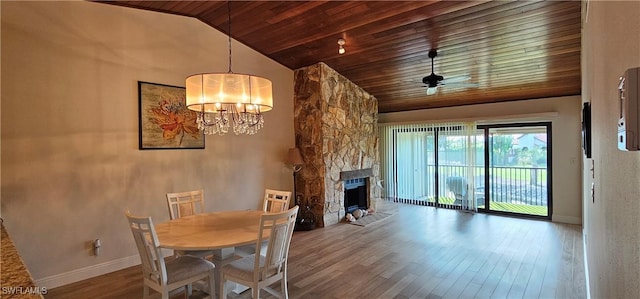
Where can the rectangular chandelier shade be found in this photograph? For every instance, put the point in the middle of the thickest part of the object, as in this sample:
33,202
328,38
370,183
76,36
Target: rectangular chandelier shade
212,92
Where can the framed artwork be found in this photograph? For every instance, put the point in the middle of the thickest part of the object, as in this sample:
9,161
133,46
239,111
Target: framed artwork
165,121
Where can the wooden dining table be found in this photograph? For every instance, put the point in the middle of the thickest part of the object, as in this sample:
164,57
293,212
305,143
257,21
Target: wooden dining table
219,232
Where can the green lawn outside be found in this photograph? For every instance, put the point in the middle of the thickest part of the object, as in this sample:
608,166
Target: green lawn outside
518,174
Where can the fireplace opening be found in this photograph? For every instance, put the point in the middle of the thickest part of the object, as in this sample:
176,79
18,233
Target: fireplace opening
355,195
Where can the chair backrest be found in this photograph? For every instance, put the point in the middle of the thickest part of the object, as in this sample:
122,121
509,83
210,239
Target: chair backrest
276,201
457,185
185,203
280,229
153,267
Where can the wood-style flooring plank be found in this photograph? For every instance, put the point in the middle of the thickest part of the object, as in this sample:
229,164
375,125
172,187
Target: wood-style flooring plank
418,252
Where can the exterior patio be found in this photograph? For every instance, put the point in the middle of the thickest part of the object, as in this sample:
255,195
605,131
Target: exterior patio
520,190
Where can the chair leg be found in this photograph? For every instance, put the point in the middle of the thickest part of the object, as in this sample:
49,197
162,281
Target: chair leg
283,287
221,288
145,292
189,290
212,285
255,292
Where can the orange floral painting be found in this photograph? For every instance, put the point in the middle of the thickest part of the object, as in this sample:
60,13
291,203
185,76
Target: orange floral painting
165,121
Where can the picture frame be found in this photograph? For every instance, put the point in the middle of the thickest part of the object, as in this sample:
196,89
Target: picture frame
164,120
586,129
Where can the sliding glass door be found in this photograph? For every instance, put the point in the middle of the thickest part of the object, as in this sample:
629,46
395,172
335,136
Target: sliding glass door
413,176
456,164
517,175
430,164
493,168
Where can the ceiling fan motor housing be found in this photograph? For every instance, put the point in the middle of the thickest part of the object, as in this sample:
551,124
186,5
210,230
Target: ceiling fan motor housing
432,80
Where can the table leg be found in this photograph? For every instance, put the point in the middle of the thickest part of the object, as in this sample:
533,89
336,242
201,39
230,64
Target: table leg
222,257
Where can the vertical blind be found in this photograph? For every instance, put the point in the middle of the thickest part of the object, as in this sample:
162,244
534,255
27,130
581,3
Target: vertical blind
429,163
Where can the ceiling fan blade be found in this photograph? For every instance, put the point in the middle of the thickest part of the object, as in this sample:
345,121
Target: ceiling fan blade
461,84
431,91
456,79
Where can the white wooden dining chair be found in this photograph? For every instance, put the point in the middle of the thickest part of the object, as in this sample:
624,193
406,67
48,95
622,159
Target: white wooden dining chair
166,276
276,200
182,204
185,203
259,271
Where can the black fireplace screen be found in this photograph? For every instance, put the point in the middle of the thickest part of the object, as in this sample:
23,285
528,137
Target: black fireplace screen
355,195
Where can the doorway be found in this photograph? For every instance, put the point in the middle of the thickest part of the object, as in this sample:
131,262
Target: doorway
499,168
516,170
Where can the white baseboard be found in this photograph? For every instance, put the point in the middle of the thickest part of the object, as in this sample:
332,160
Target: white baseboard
566,219
88,272
586,264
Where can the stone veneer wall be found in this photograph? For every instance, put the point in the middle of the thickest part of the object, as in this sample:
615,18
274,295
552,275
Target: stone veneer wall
336,129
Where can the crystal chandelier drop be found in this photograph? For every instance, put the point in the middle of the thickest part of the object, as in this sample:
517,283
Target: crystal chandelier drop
229,100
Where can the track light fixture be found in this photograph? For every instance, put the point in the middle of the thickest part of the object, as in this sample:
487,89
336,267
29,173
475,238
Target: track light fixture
341,49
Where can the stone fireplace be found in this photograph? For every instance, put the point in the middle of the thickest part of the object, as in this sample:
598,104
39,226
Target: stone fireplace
336,130
356,189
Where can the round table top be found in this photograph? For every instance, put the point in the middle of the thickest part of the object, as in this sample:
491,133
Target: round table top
208,231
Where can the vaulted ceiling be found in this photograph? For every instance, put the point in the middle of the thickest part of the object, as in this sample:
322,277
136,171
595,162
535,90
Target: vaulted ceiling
506,50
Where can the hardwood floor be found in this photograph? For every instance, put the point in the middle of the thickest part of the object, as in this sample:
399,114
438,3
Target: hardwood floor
419,252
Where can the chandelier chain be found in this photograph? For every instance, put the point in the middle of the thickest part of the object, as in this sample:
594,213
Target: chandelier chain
229,31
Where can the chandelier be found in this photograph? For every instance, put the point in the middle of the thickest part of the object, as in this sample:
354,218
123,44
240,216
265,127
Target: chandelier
229,100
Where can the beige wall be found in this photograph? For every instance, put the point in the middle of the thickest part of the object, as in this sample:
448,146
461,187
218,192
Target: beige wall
611,44
564,114
70,163
70,158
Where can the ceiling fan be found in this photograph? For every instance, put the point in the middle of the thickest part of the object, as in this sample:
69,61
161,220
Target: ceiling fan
433,81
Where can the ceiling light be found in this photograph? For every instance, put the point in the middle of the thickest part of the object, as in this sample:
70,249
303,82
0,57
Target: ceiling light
341,44
224,100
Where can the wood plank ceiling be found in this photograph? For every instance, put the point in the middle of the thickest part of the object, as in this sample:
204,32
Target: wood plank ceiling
510,50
